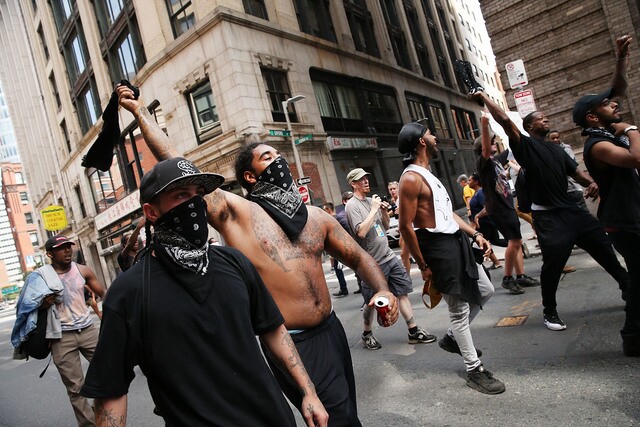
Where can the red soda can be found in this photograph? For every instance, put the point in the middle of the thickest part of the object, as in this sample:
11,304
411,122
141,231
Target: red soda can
382,307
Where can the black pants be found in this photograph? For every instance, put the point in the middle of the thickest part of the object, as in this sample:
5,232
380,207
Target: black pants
340,276
558,230
628,244
324,350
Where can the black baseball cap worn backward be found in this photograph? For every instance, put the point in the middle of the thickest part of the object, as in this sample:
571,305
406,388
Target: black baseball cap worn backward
586,105
176,172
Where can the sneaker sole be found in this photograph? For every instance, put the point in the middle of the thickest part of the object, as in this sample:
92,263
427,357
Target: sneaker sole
428,341
512,292
555,327
476,387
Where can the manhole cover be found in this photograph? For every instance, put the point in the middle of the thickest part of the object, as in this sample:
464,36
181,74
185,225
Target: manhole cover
512,321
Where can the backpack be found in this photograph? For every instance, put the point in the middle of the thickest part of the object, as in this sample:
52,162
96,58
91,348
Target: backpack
37,345
522,192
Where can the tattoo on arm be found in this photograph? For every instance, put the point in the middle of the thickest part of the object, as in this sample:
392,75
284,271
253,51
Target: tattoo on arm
156,139
293,362
108,417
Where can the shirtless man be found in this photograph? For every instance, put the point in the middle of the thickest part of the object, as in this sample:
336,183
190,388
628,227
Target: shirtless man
291,268
440,246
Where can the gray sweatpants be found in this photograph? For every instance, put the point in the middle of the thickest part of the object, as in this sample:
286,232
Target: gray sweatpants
461,314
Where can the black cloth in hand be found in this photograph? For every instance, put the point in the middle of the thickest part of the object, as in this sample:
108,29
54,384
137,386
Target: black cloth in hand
100,155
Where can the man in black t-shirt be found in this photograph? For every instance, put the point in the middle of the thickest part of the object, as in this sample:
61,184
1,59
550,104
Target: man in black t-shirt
560,223
187,314
499,206
612,156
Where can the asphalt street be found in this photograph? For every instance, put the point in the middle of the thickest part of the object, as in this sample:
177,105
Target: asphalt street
576,377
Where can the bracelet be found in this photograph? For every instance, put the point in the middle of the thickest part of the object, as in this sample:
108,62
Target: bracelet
423,268
476,234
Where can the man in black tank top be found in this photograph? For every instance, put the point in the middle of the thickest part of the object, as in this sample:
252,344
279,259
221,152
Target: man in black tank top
612,156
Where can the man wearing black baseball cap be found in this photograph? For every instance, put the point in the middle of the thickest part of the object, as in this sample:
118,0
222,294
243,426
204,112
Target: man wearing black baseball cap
188,313
560,222
612,156
284,239
71,331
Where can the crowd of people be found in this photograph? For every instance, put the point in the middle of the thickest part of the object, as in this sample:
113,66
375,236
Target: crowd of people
187,309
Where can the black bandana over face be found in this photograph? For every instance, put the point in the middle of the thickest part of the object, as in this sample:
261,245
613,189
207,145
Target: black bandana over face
278,195
182,234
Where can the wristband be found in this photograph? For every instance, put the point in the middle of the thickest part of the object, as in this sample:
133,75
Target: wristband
423,268
475,235
627,129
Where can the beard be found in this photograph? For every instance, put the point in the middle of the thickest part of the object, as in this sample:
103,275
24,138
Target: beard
432,151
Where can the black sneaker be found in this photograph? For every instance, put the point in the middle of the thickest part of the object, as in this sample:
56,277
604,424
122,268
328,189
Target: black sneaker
341,293
449,344
553,322
510,284
527,281
421,337
370,342
359,291
482,380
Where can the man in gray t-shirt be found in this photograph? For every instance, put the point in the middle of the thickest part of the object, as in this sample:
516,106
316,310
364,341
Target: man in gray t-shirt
368,219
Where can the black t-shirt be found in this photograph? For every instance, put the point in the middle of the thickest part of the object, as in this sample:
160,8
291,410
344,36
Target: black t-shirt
206,367
619,207
547,166
125,263
497,197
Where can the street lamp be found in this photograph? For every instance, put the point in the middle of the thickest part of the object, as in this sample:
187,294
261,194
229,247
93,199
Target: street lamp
296,156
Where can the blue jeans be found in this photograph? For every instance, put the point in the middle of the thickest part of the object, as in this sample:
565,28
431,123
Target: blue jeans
340,276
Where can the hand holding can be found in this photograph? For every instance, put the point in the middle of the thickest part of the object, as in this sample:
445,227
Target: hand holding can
381,304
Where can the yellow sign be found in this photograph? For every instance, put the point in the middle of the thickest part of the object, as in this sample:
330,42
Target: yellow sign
54,218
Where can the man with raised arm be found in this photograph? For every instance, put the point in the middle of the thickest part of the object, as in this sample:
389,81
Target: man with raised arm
560,222
284,240
612,156
440,245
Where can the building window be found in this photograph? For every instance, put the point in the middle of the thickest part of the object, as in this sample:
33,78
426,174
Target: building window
418,41
203,110
62,11
106,187
54,90
65,134
34,239
277,91
439,120
28,217
361,25
314,18
75,53
181,15
43,43
121,43
204,107
396,35
83,211
255,8
354,106
435,39
465,122
87,106
24,198
338,106
19,178
383,110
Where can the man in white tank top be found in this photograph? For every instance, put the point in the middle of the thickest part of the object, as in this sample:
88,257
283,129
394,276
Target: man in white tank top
79,335
440,245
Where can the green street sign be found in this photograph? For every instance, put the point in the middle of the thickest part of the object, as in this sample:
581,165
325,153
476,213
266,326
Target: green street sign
279,133
303,139
10,290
